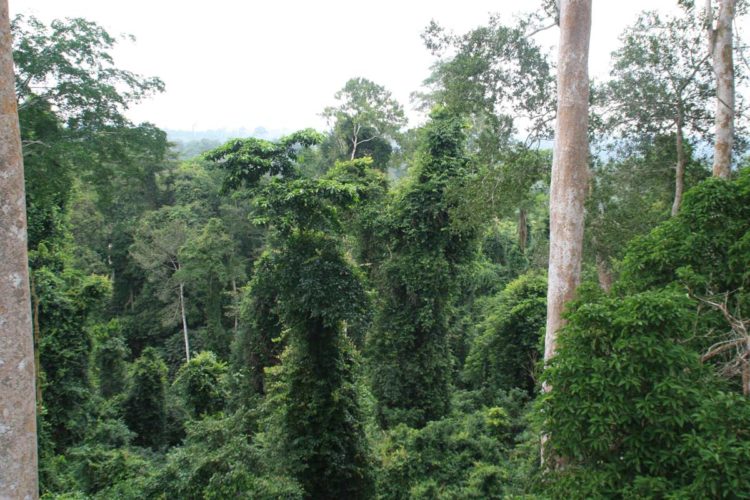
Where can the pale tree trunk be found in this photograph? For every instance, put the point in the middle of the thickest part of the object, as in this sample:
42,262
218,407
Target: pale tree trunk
720,47
355,142
523,230
570,165
679,181
184,322
18,448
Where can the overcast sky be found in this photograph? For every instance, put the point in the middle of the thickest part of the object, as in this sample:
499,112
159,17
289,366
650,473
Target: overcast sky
276,64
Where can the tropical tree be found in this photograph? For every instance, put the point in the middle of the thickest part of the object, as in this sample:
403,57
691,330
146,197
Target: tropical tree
721,49
366,112
157,248
660,85
317,431
569,167
145,409
18,465
408,354
498,77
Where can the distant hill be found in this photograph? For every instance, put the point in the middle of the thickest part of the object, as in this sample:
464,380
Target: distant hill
190,143
223,134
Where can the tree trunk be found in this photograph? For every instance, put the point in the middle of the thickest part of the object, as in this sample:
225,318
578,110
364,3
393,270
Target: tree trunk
570,165
679,180
355,142
720,41
235,298
603,273
18,447
184,322
523,230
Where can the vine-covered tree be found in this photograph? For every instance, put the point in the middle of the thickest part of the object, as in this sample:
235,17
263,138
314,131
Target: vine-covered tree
409,358
319,432
145,406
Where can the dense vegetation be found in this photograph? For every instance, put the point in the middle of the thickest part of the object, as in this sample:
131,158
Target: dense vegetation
360,313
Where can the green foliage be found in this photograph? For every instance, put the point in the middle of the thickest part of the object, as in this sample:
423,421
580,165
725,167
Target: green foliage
246,161
110,355
464,455
630,403
408,353
303,203
629,197
494,74
210,263
200,384
217,461
145,409
258,341
363,220
704,246
507,349
658,66
71,102
69,65
64,299
504,254
364,122
321,435
100,468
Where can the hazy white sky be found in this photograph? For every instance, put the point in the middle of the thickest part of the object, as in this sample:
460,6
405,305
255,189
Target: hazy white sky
277,63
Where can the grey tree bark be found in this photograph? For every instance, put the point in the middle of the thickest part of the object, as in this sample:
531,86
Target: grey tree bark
721,49
18,449
570,165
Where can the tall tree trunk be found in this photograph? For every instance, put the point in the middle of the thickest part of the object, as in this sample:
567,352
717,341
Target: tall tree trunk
236,306
603,273
18,447
523,230
720,45
679,180
184,322
355,142
570,165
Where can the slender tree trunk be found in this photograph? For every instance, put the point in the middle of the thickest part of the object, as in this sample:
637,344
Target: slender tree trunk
720,41
355,142
184,322
236,308
603,273
679,180
570,165
523,230
18,447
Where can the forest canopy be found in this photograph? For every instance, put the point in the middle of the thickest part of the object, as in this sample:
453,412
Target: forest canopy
365,311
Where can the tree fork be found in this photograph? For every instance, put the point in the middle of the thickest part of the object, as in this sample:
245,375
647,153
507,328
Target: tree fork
18,447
